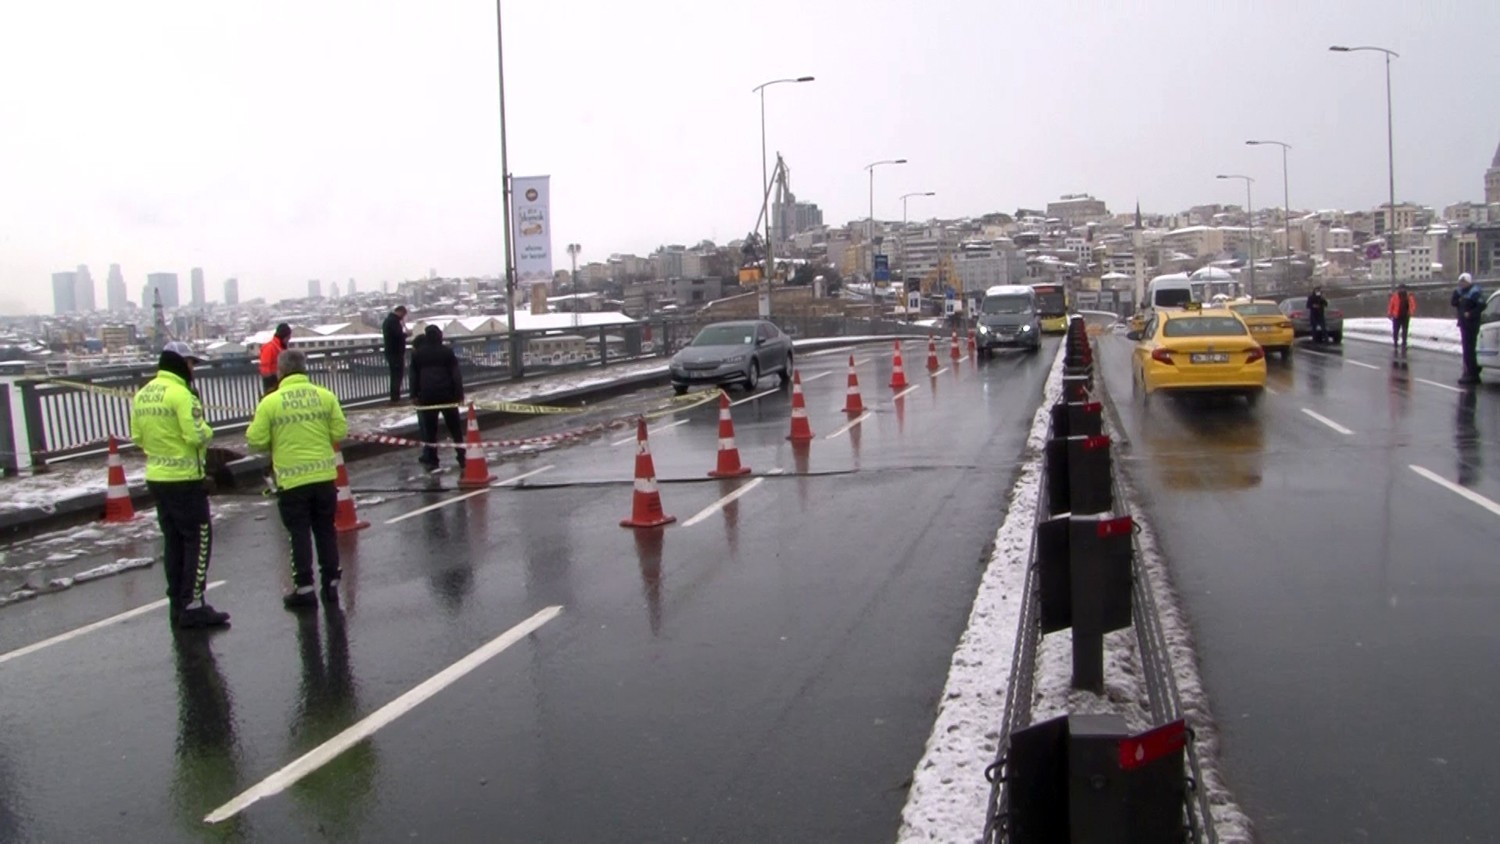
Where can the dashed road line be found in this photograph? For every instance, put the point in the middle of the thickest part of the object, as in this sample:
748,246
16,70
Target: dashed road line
1326,421
1358,363
811,378
465,497
1447,387
649,431
89,628
366,727
903,394
720,504
844,430
1470,494
936,372
761,394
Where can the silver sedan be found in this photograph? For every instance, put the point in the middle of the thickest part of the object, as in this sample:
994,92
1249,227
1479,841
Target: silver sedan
733,353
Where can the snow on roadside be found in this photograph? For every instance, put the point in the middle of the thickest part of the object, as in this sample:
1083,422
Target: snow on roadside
1431,333
949,794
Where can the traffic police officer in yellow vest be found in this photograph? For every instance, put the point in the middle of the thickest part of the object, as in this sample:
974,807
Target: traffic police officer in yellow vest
167,424
299,424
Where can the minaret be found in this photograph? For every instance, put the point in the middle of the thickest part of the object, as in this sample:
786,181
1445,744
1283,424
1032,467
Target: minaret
1492,180
1138,254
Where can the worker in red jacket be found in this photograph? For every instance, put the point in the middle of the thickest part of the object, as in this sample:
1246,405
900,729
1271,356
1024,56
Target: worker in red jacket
269,353
1401,308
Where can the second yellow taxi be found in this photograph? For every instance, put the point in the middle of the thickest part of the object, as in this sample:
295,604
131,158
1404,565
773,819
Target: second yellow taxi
1199,350
1267,324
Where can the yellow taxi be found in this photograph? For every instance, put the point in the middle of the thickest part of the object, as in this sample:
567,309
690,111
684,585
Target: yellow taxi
1268,325
1197,349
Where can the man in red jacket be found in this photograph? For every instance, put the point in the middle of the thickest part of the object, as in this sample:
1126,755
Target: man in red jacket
269,353
1401,308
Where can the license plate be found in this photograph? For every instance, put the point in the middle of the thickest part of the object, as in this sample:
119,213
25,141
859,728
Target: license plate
1207,357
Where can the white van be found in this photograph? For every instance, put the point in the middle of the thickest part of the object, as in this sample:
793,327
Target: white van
1165,291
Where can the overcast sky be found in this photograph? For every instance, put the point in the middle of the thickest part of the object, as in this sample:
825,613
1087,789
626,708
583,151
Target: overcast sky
279,141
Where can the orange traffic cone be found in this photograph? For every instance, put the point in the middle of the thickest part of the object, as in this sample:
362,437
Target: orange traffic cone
953,351
345,519
801,430
853,404
476,468
645,509
117,506
932,361
973,344
898,374
729,453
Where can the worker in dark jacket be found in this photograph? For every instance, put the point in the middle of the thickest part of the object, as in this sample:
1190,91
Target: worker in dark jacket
437,387
1469,302
393,333
1317,313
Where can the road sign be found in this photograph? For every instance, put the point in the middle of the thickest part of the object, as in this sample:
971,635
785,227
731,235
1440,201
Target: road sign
1372,252
914,300
882,268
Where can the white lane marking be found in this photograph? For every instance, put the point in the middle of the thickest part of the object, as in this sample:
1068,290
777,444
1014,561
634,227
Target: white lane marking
753,398
658,430
858,362
903,393
363,729
844,430
1272,390
1326,421
465,497
1439,386
89,628
936,372
811,378
1470,494
719,505
1358,363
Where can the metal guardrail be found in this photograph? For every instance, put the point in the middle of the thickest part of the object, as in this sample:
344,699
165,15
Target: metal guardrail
1159,677
76,414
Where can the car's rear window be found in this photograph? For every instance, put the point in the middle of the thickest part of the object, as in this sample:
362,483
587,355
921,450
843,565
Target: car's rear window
725,335
1173,298
1256,309
1204,326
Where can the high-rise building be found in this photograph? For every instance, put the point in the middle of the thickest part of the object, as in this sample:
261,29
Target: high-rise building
314,289
200,294
114,288
334,292
231,291
166,285
350,290
1492,180
64,292
83,297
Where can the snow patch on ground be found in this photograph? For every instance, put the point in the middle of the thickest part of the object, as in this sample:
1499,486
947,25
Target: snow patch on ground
1431,333
949,794
116,567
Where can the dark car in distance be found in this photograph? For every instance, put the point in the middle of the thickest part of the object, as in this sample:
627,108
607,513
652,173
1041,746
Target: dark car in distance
738,352
1295,310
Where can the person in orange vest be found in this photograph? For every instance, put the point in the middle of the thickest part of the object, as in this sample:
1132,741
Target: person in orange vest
268,355
1401,308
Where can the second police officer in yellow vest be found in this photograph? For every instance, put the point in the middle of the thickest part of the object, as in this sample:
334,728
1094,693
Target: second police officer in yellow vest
299,424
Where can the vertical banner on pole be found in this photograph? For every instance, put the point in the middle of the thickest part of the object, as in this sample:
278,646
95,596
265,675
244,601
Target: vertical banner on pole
530,199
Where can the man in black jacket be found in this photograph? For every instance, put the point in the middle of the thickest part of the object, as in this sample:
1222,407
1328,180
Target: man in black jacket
1317,308
436,380
393,332
1469,302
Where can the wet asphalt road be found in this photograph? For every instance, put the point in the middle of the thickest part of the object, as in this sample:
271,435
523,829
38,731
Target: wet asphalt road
768,673
1346,607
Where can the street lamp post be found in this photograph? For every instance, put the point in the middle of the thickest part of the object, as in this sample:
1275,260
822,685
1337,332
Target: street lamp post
904,197
573,250
1390,146
870,230
1250,220
513,340
1286,199
765,194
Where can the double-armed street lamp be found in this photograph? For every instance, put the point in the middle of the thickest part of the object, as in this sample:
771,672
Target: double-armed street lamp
870,231
1390,147
1286,200
765,188
1250,220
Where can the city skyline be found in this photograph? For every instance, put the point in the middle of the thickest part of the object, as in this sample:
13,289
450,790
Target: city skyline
272,185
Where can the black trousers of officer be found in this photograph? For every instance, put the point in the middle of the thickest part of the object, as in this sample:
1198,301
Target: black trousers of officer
1468,337
1319,325
427,427
397,363
308,512
187,538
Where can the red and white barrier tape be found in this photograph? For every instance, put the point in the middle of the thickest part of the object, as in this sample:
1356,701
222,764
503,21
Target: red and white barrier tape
547,439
